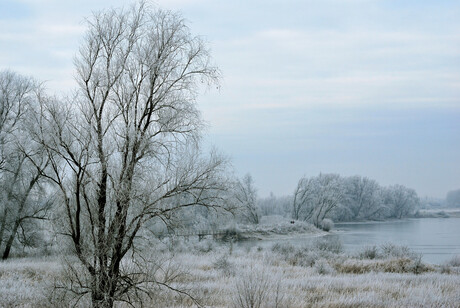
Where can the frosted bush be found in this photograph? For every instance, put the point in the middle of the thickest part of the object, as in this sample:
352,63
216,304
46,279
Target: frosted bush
310,258
390,250
204,246
369,252
330,244
445,269
283,248
327,224
259,288
251,290
322,267
455,261
224,265
417,266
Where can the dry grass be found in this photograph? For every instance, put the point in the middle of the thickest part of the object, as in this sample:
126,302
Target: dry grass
27,282
216,277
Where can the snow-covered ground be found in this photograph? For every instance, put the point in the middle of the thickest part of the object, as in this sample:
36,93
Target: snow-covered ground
221,275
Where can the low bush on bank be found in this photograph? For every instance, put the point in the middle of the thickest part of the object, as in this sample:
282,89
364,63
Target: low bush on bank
327,225
400,265
329,244
455,261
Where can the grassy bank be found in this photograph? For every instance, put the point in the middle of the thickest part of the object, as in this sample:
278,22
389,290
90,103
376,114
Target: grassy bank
218,275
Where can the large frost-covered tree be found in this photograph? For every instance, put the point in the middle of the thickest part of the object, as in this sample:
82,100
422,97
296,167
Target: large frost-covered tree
124,150
315,198
400,200
362,198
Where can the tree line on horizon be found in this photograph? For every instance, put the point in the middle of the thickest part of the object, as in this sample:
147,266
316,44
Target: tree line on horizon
330,196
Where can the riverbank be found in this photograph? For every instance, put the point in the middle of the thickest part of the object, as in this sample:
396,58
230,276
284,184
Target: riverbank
277,227
438,213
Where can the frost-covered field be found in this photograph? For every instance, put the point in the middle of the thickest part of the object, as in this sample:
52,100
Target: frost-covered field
219,275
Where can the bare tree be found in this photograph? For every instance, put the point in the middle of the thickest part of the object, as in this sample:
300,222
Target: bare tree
453,198
302,205
125,149
400,200
245,195
363,198
275,205
329,196
315,198
21,162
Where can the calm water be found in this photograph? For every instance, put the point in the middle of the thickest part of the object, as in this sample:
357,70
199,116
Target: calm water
438,239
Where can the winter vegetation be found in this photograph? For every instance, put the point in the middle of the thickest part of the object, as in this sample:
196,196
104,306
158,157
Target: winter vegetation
453,198
318,274
104,192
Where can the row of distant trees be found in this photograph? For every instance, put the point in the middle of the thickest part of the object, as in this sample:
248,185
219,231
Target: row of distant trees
453,198
332,196
351,199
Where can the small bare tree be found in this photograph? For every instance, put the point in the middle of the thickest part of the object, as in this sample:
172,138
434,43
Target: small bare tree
245,195
124,150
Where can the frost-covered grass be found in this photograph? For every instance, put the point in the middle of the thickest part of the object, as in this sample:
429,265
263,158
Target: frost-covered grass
27,282
317,275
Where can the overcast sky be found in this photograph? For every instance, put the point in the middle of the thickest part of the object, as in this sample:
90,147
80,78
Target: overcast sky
352,87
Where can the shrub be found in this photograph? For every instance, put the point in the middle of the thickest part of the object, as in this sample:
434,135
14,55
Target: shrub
330,244
327,224
369,252
304,258
322,267
417,265
283,248
445,269
251,290
309,259
455,261
204,246
232,234
224,265
390,250
399,265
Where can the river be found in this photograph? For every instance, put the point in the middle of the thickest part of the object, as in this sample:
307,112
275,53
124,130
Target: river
437,239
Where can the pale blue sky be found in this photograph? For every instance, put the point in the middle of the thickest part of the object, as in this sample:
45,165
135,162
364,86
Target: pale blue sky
352,86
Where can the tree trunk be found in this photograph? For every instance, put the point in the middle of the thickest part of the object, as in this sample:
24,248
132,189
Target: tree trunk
101,293
9,243
3,224
101,302
18,219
